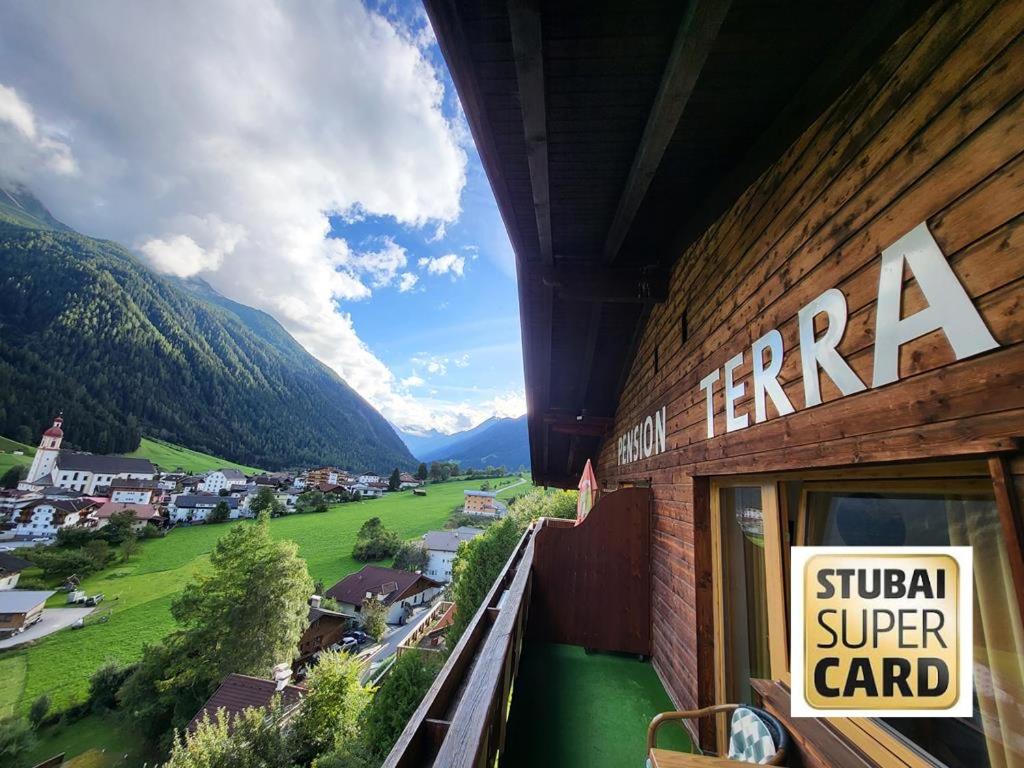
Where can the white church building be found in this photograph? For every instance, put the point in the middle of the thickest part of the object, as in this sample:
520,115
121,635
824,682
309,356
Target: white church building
83,472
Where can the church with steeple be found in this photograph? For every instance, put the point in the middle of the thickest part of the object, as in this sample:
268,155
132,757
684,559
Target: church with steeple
46,454
75,471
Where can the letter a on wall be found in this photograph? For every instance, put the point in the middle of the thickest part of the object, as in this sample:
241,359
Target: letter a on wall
949,308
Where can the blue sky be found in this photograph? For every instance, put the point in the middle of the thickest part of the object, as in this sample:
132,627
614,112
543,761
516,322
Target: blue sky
310,160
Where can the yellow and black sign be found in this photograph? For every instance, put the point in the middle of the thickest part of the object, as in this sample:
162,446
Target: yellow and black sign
881,631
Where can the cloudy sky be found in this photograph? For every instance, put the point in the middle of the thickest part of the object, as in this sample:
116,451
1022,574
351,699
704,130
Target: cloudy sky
308,159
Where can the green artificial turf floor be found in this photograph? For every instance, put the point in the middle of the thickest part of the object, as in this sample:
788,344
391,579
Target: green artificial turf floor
570,710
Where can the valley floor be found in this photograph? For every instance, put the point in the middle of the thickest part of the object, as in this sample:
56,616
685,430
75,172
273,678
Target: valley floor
139,594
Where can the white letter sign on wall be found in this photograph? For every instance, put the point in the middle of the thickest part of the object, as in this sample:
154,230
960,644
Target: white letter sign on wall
644,440
948,308
766,377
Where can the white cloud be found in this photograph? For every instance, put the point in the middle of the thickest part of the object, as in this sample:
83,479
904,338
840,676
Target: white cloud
219,137
26,145
407,282
447,264
462,361
510,405
413,381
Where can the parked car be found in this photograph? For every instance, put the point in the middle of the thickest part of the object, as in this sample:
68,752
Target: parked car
94,599
359,636
347,644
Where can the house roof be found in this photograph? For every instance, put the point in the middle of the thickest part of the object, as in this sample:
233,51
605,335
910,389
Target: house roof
240,692
320,613
448,541
488,494
103,465
11,564
62,505
204,500
140,511
389,583
232,474
22,600
56,490
132,483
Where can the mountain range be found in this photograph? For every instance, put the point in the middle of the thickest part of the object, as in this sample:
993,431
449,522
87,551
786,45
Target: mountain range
87,329
495,442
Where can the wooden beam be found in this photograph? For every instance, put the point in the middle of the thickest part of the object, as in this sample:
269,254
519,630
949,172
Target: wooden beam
595,281
524,21
690,50
563,418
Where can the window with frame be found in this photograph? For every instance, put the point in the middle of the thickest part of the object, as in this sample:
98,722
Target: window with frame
941,505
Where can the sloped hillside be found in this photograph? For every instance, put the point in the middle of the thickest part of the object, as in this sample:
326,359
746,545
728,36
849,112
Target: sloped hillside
87,329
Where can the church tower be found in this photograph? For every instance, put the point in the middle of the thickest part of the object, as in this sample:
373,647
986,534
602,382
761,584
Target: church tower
49,449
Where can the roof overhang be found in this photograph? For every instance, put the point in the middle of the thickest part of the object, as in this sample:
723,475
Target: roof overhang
613,134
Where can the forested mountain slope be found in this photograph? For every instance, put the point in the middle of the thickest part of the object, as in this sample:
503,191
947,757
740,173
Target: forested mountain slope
87,329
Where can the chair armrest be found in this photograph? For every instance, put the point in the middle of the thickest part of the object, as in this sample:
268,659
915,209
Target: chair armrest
664,717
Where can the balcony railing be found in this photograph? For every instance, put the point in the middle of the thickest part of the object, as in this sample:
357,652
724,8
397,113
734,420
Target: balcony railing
587,573
438,617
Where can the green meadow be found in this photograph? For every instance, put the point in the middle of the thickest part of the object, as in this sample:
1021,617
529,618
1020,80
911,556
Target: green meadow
7,457
138,594
170,457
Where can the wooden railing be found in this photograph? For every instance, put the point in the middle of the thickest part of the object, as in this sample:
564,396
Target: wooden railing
424,627
589,586
461,720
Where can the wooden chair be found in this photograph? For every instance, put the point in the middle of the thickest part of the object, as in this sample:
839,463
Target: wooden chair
659,758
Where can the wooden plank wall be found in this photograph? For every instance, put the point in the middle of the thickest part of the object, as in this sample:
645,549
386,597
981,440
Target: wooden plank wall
933,132
581,596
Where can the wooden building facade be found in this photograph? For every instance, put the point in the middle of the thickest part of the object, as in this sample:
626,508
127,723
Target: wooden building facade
924,151
771,266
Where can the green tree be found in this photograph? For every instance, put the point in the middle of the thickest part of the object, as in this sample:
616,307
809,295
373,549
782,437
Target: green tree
421,472
130,547
332,708
477,565
411,556
375,615
254,740
221,513
105,683
245,614
118,528
16,739
375,542
98,551
311,501
395,481
396,700
39,709
13,476
266,501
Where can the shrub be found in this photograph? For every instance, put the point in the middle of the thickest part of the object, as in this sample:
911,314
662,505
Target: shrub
16,739
38,710
375,542
397,698
411,556
105,683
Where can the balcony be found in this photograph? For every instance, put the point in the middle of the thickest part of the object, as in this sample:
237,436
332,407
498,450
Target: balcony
553,668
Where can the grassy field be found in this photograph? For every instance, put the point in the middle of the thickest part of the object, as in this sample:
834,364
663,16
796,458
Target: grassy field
170,457
139,594
8,459
97,742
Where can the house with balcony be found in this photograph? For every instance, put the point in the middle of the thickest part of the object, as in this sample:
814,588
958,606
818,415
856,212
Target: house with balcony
769,267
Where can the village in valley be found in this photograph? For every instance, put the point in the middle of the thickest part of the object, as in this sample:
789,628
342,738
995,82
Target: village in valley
75,519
